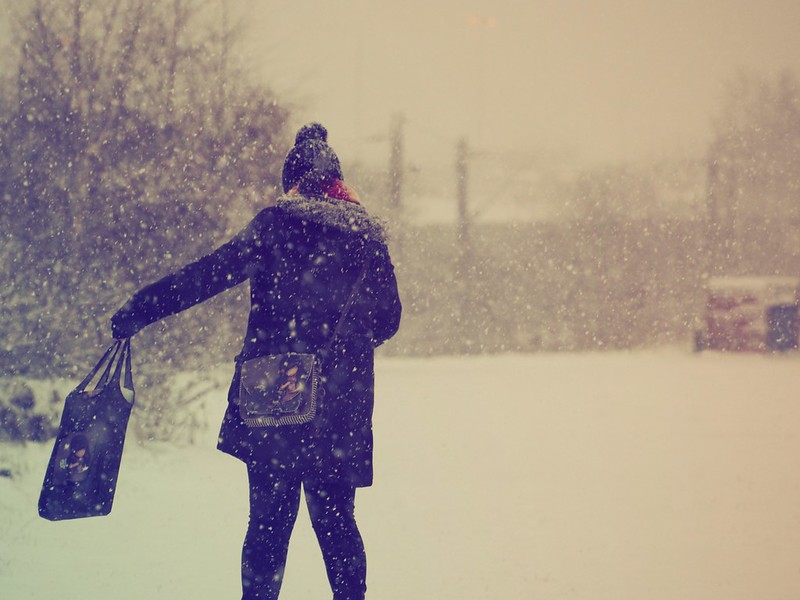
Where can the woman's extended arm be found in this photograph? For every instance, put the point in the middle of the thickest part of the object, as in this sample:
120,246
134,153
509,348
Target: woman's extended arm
380,299
224,268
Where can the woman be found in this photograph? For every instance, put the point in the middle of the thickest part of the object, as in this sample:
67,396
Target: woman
304,258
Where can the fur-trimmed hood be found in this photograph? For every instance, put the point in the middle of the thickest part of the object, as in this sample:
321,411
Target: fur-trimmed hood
345,216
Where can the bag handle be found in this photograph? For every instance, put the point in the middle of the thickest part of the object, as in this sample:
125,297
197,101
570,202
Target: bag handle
123,380
108,376
128,383
116,378
106,361
116,358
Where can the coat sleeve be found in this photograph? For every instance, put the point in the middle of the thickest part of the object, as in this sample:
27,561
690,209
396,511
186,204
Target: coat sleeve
226,267
379,298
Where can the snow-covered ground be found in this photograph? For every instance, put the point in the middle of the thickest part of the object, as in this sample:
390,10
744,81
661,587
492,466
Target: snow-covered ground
658,475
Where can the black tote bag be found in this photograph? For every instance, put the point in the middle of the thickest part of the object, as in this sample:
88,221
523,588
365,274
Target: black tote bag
81,477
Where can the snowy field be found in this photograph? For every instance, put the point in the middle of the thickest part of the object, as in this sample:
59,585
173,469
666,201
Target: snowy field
658,475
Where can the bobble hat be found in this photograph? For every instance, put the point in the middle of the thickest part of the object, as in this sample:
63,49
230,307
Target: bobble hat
311,155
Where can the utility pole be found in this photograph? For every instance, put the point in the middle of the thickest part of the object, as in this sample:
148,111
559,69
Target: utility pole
462,227
396,163
713,238
396,170
722,205
463,242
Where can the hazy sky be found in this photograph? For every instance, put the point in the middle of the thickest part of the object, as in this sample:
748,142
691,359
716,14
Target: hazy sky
605,79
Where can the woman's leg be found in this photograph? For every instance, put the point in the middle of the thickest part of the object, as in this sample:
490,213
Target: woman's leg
331,507
274,502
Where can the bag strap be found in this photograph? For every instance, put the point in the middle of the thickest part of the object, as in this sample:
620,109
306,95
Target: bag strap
239,358
123,360
128,382
106,361
349,304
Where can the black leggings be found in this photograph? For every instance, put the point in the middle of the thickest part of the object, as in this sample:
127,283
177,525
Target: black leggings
274,502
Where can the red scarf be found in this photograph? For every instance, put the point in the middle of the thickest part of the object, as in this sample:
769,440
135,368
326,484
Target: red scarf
341,191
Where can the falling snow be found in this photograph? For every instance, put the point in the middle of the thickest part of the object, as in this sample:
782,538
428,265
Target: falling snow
543,428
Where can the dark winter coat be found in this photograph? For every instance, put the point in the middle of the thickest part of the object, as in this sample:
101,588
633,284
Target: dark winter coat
301,257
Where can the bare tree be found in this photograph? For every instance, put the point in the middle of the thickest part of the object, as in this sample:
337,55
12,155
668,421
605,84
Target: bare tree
134,134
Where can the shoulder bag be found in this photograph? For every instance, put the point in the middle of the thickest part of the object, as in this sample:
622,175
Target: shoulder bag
279,390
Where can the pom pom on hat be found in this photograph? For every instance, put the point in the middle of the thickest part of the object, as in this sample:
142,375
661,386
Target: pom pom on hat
312,131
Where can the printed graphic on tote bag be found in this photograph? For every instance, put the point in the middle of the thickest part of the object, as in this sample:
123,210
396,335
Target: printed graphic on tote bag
76,457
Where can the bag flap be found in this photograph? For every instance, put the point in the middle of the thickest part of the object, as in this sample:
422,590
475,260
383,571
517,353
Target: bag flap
276,380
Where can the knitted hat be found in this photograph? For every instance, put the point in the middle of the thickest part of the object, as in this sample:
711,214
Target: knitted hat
311,157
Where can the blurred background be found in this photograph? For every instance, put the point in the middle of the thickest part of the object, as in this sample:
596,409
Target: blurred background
557,176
